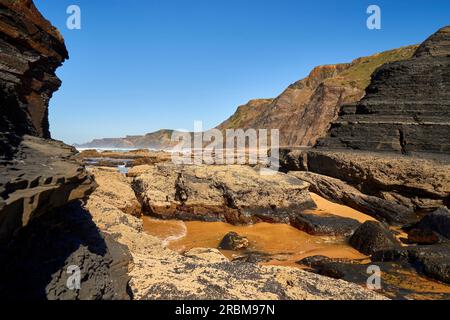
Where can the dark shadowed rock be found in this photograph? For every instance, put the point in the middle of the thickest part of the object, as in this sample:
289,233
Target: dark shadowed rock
433,261
422,236
324,224
30,51
399,279
340,192
372,236
43,230
35,265
233,241
417,183
437,221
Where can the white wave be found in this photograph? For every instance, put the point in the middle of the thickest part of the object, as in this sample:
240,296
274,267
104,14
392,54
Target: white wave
175,237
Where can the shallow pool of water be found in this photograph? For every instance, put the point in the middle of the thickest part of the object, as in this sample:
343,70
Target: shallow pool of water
285,243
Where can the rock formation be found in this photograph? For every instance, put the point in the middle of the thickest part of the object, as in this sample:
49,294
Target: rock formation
43,229
406,107
412,183
202,273
235,194
304,111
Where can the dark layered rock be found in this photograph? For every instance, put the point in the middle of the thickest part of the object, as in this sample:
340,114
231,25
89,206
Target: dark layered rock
324,224
433,228
340,192
30,50
399,279
35,265
43,229
433,261
372,236
409,181
44,175
406,107
233,241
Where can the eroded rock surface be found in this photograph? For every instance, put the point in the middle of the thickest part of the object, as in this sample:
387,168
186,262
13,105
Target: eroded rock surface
406,107
30,51
417,183
159,273
340,192
43,229
304,111
235,194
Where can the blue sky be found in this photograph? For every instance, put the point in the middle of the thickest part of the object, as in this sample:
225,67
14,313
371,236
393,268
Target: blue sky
137,66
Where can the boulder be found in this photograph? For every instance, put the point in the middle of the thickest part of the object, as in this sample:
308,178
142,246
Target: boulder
437,221
324,224
235,194
340,192
233,241
433,261
372,236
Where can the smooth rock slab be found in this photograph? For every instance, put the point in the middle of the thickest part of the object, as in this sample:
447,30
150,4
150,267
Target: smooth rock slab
235,194
324,224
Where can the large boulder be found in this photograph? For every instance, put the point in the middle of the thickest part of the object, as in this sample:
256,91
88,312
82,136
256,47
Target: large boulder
399,279
372,236
235,194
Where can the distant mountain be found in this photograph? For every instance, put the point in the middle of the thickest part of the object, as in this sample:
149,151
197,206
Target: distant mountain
303,112
155,140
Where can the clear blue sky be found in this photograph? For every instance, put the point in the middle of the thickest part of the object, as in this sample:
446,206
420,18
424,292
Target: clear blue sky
137,66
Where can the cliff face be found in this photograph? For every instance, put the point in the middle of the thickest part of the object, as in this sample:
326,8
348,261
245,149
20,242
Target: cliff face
304,111
43,228
406,107
30,51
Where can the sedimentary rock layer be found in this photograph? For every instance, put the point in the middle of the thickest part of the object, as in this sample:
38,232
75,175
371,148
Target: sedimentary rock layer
30,51
304,111
410,182
406,107
236,194
43,228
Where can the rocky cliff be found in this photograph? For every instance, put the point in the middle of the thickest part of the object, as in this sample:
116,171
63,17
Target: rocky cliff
304,111
406,107
43,228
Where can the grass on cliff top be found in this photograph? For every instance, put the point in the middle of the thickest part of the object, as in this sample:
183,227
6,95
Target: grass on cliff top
359,74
